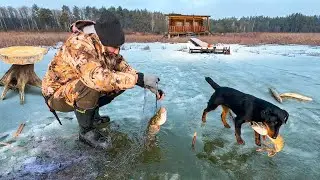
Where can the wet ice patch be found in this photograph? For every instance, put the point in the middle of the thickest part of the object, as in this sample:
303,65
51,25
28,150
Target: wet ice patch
34,165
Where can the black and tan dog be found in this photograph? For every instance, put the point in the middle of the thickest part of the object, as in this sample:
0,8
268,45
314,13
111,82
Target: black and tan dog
247,108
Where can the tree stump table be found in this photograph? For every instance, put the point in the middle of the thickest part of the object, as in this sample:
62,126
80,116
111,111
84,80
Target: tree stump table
21,73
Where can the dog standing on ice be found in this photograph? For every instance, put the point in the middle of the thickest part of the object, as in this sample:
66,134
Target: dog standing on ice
247,108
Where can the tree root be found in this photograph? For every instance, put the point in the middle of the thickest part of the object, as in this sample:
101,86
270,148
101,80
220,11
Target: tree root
17,77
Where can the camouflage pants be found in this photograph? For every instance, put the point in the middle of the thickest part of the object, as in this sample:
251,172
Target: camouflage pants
88,98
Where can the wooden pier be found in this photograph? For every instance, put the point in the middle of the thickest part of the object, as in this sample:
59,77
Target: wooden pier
197,46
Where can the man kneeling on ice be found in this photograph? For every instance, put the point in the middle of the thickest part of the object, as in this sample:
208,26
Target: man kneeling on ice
88,72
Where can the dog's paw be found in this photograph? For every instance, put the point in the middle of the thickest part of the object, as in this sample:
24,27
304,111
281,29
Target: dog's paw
227,126
241,142
258,143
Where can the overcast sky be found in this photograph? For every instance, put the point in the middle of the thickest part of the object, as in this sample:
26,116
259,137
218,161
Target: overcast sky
215,8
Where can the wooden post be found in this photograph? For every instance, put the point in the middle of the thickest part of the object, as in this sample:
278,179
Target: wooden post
168,24
184,24
193,24
19,130
208,20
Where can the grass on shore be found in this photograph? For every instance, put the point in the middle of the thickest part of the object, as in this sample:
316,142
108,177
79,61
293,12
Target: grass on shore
51,38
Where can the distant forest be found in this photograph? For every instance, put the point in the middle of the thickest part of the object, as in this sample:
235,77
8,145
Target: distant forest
42,19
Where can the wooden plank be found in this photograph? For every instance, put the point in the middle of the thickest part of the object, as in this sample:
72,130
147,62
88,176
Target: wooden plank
195,48
187,29
187,18
208,51
199,42
19,130
194,44
181,16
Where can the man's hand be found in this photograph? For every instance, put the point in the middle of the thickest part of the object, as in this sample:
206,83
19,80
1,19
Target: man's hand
147,81
150,82
158,92
160,95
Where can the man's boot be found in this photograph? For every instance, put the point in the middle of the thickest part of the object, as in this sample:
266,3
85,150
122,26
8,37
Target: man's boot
100,121
88,134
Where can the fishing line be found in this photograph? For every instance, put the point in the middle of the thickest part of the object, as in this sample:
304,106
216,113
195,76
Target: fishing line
157,90
127,159
144,102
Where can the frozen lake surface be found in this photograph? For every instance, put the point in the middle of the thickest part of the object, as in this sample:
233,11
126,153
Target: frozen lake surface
47,150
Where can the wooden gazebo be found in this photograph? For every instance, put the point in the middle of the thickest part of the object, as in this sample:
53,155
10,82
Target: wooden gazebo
178,24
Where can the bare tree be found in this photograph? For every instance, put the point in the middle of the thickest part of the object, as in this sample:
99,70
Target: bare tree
24,12
12,16
34,16
82,16
20,17
152,22
254,21
2,26
56,15
3,18
76,13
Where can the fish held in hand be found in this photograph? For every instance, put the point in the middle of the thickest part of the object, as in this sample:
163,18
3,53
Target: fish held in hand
159,118
154,127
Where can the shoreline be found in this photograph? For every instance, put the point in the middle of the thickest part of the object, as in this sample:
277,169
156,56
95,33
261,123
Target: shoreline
52,38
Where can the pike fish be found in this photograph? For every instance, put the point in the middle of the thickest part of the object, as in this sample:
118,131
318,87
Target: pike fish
275,94
295,96
282,96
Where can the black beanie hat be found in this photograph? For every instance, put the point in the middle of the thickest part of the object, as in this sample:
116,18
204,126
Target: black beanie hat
109,30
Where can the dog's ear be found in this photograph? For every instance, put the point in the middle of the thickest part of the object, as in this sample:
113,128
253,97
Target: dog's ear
282,115
266,114
286,117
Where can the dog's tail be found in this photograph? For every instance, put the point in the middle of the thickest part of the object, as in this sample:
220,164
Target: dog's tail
212,83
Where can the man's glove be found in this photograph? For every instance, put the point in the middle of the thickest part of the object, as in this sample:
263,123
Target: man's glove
147,81
150,82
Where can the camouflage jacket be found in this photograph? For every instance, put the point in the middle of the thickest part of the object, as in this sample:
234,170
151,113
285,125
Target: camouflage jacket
82,58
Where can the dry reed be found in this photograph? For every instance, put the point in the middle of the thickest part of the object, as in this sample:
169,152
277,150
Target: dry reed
51,38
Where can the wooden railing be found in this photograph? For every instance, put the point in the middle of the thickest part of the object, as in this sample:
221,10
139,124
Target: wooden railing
187,29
